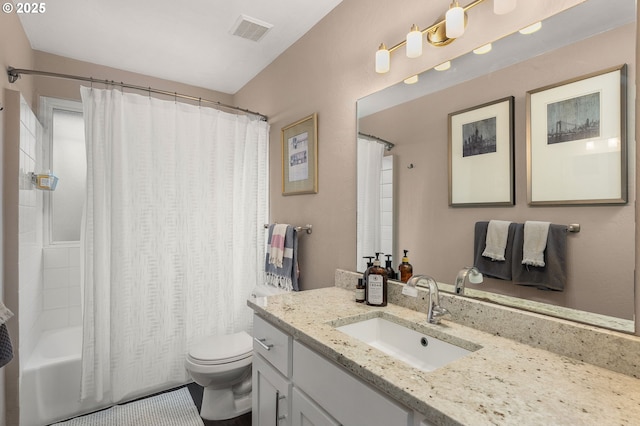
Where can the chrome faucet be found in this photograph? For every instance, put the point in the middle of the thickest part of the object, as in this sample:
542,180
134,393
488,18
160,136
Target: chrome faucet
474,275
435,310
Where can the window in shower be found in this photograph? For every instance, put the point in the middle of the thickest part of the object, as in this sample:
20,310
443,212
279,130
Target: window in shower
65,156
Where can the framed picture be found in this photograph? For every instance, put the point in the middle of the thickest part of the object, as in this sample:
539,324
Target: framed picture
300,157
481,155
576,140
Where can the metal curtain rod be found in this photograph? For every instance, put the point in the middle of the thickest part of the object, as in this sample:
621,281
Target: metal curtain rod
15,73
387,145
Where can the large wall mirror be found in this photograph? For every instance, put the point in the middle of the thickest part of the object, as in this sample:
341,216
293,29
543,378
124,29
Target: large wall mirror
590,37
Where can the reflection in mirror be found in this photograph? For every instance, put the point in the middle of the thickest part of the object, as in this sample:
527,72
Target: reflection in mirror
590,37
375,198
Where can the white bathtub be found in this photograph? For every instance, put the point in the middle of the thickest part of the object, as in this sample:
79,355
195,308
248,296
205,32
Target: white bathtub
50,383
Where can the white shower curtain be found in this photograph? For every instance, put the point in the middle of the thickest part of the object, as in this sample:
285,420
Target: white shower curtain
369,233
173,237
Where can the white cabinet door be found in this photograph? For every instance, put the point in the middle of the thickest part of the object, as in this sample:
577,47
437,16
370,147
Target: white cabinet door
271,395
305,412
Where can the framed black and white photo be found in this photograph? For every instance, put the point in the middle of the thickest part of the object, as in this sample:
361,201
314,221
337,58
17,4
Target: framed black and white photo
300,157
481,155
576,141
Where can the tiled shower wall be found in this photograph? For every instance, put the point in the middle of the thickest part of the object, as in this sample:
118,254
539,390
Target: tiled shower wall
61,296
30,232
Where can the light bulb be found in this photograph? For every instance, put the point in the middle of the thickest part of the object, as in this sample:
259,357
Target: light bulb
483,49
502,7
411,80
383,59
414,42
454,21
443,66
531,28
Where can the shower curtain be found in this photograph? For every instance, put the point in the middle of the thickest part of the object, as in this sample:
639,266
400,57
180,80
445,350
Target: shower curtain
173,236
369,234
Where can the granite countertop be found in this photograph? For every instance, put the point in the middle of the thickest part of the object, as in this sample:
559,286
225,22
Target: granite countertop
502,382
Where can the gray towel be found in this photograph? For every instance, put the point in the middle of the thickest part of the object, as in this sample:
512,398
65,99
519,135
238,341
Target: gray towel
496,269
6,350
285,277
553,275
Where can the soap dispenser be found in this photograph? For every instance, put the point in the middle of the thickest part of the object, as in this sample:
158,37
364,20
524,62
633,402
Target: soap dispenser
405,269
391,274
376,284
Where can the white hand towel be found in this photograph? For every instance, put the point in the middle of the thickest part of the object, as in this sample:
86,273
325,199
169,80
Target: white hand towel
535,241
496,242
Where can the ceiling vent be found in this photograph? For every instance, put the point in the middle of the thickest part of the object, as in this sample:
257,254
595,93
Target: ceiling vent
250,28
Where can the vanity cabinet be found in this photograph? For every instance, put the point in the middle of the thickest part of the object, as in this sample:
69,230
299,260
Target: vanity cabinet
298,386
271,384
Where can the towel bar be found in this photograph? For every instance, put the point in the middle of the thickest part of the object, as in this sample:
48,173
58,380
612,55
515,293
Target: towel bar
573,227
307,227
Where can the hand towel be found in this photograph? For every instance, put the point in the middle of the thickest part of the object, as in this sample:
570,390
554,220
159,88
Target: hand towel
486,266
496,242
535,241
553,275
286,275
276,251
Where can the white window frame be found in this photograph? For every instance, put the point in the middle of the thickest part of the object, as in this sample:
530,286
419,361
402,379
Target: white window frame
47,107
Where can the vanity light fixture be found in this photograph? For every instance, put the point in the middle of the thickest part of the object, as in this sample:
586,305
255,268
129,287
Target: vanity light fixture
443,66
483,49
531,28
439,34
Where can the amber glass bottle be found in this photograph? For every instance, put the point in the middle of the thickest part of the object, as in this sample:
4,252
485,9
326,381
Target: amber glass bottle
376,293
405,268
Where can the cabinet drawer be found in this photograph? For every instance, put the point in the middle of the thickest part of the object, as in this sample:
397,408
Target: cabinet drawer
273,344
346,398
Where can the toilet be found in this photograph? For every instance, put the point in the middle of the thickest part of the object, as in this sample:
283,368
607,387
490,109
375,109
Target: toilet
222,366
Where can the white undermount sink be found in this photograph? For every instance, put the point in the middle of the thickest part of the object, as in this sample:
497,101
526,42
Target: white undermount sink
412,347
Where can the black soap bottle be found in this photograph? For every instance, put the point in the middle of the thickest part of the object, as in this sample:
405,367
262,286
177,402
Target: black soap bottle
376,285
391,274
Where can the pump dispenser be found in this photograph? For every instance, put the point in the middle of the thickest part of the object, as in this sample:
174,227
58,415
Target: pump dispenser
405,269
376,284
391,274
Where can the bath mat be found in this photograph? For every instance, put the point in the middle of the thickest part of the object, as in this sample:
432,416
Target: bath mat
166,409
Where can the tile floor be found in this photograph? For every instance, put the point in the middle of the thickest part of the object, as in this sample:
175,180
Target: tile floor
196,393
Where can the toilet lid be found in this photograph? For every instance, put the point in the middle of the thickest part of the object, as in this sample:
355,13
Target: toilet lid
222,349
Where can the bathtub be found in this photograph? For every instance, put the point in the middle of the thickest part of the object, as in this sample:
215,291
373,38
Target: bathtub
50,382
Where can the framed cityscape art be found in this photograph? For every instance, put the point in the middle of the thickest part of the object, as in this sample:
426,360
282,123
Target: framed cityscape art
576,140
481,155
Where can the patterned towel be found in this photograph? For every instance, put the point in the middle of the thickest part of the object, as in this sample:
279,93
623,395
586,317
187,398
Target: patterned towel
6,350
276,245
285,275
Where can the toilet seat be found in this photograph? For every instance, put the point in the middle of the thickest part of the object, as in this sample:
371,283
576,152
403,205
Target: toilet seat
224,349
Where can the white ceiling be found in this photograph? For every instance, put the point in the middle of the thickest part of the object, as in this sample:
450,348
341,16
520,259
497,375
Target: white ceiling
189,41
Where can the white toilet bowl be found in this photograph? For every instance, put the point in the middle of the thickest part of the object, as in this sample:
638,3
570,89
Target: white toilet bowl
222,366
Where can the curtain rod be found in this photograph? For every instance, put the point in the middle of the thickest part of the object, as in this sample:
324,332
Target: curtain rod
387,145
15,73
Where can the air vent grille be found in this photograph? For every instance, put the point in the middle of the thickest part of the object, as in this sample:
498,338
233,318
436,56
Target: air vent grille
250,28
